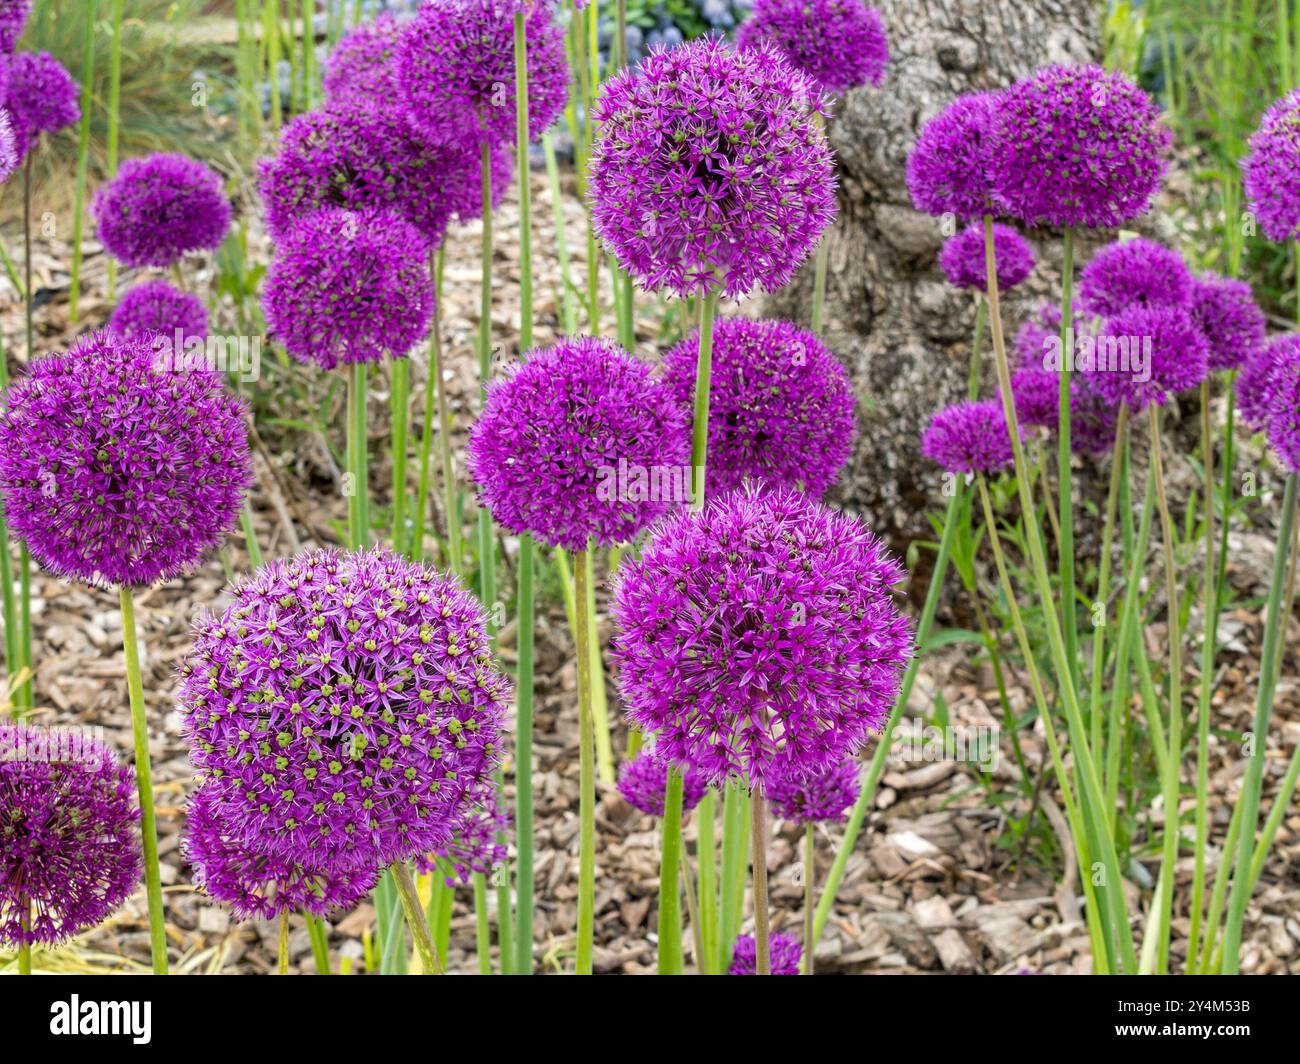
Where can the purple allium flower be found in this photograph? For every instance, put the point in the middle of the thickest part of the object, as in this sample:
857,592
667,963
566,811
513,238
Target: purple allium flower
710,169
69,840
8,145
1284,403
1228,317
361,64
159,208
784,953
947,170
1271,171
759,634
1094,419
118,468
823,796
781,406
643,781
256,884
455,65
349,286
962,258
476,846
344,709
1039,336
580,442
155,308
42,98
13,19
1037,395
1145,355
1257,384
1076,146
840,44
1136,272
969,437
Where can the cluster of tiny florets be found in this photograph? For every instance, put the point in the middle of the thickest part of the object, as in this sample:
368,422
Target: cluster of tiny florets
155,308
784,954
13,19
477,845
1232,323
1167,354
820,797
1136,272
1257,383
1284,403
643,782
840,44
42,98
947,170
1271,171
361,64
8,144
963,258
970,437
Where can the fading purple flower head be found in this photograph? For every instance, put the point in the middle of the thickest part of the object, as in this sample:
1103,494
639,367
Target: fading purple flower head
117,467
840,44
580,442
1146,354
1136,272
1271,170
1225,311
8,144
42,98
477,846
1257,384
710,170
13,20
155,308
969,437
822,796
947,170
159,208
643,782
349,286
759,634
343,711
784,953
963,258
69,840
781,406
362,63
1284,403
1076,146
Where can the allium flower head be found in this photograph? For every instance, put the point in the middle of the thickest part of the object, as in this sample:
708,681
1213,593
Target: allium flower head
343,710
69,842
42,98
1038,336
1225,311
8,145
710,170
759,634
823,796
118,467
349,286
840,44
160,208
1130,273
969,437
1257,384
1271,170
963,263
580,442
476,846
1284,403
155,308
784,954
13,19
1076,146
1094,419
362,63
781,406
455,66
947,170
1146,354
1037,395
643,782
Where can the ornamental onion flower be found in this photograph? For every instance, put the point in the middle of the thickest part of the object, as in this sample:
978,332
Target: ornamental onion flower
1284,405
781,406
1257,384
963,258
759,634
947,169
116,467
155,308
13,20
969,437
643,781
42,98
160,208
1136,272
1094,418
710,169
1271,170
823,796
8,145
785,955
343,709
1232,323
362,63
69,848
1146,354
476,846
840,44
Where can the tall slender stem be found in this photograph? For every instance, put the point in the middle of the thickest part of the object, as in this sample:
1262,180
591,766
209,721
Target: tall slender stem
482,929
706,862
415,918
358,508
587,773
703,388
399,404
114,114
809,893
976,349
758,860
670,863
1064,473
1103,580
318,932
25,925
735,859
282,952
819,283
83,156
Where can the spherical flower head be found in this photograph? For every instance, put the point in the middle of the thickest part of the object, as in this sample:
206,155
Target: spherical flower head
42,98
160,208
821,797
643,782
963,258
710,170
8,145
455,66
969,437
1146,354
256,884
1037,395
580,443
362,63
1076,146
69,839
840,44
1257,383
13,20
1283,424
1130,273
155,308
947,170
1271,170
781,406
759,634
349,286
784,954
476,846
121,463
1225,311
344,709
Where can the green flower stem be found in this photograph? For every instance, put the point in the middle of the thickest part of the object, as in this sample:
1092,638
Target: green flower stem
23,695
13,666
482,929
415,918
599,694
505,910
486,540
569,313
83,156
819,284
587,774
693,912
976,347
758,861
809,893
25,950
524,761
115,111
703,389
1103,579
619,56
282,952
308,53
1064,473
271,35
318,932
144,784
250,536
399,404
358,522
670,863
435,394
707,872
735,859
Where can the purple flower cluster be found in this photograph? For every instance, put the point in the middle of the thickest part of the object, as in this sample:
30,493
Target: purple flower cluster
643,782
969,437
1145,354
580,443
155,308
160,208
476,846
1271,170
1257,384
784,953
69,840
948,170
840,44
710,169
822,796
42,98
963,258
361,64
349,286
1231,321
8,145
117,467
759,634
344,710
1284,404
1136,272
781,405
13,19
